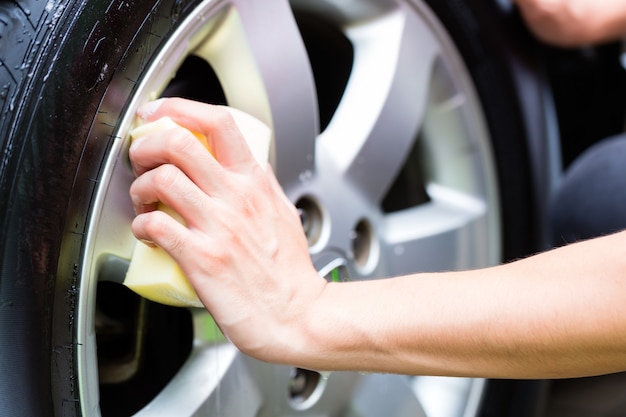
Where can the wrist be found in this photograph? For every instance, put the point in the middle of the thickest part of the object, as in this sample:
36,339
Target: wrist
331,334
312,338
291,336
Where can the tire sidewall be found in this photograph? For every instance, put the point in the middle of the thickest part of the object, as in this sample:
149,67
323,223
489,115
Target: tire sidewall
91,59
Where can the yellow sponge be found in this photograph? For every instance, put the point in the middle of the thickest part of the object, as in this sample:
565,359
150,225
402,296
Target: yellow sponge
152,273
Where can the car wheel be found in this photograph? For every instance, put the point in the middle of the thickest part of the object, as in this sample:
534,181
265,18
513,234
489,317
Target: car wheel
397,133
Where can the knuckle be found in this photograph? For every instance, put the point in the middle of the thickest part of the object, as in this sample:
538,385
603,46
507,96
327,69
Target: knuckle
180,143
176,245
215,258
221,115
224,119
166,176
157,227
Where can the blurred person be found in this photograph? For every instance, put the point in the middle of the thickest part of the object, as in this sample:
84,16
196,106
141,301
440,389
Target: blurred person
572,23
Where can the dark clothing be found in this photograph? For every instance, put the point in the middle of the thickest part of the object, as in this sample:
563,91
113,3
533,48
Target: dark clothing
591,200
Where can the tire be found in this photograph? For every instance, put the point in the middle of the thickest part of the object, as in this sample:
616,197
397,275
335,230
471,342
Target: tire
71,75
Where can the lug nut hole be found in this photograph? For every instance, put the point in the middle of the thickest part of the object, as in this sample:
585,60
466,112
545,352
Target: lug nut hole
311,218
304,387
363,247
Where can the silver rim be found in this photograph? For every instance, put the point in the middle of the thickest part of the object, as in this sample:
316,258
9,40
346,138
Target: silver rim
408,110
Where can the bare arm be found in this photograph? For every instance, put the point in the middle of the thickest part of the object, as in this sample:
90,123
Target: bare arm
558,314
572,23
561,313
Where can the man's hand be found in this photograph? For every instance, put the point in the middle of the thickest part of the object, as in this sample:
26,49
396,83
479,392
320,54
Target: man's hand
243,248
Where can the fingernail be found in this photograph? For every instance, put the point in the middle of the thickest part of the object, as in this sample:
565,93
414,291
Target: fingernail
136,203
148,109
148,243
135,144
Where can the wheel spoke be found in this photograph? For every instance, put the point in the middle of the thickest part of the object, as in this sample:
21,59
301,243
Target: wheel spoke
449,150
206,385
445,234
399,400
274,84
382,110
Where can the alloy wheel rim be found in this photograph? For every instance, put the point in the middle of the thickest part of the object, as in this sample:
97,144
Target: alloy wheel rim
339,174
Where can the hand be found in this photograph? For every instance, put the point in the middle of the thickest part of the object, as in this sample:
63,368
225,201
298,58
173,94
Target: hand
242,248
575,23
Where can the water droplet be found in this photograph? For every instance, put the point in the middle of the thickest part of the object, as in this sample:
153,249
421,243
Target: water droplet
305,176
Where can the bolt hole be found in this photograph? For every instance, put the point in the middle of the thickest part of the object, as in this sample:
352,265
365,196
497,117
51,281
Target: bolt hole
311,218
362,243
303,384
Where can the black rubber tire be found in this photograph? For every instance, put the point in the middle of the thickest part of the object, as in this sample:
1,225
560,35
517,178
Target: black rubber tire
59,63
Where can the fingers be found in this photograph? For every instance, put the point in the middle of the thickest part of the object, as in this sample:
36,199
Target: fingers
162,230
215,122
168,185
178,147
174,168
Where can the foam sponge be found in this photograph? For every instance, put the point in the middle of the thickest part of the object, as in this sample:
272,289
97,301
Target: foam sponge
152,273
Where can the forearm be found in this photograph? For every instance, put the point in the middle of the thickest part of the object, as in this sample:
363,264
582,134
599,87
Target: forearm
559,314
572,23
